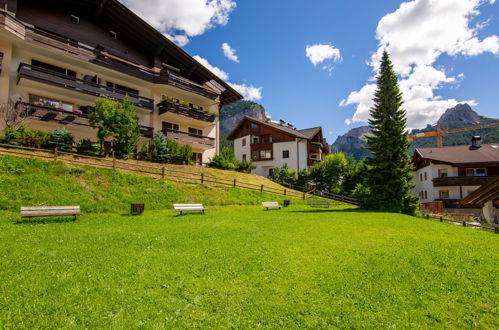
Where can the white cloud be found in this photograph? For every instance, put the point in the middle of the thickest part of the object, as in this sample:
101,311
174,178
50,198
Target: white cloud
249,92
416,35
322,52
230,52
184,18
217,71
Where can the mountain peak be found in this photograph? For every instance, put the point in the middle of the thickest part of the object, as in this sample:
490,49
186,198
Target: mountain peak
461,112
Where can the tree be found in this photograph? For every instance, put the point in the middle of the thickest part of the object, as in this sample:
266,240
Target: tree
117,120
387,182
62,139
13,114
329,174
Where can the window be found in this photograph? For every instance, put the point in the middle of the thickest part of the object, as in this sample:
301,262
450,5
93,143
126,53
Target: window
285,154
265,154
51,103
122,88
254,155
270,139
443,194
244,156
113,34
53,68
75,19
442,173
421,177
195,131
476,172
425,194
313,156
169,126
197,157
255,140
253,125
271,171
425,176
244,142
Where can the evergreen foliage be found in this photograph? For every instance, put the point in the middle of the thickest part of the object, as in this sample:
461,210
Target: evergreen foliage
226,160
387,181
62,139
180,155
155,150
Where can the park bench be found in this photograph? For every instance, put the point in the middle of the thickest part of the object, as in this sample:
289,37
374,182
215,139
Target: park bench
320,203
188,207
50,211
269,205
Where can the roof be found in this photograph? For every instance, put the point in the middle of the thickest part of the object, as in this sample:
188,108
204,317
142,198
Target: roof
310,132
282,128
487,153
114,13
487,192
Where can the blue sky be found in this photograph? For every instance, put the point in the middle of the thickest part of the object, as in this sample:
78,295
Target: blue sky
445,51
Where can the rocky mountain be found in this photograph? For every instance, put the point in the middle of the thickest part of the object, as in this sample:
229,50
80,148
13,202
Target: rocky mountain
231,115
462,115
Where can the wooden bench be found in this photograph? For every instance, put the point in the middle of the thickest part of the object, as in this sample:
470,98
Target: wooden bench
188,207
320,203
50,211
271,205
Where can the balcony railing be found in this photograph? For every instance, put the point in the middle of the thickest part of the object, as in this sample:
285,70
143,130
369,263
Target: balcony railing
185,110
63,117
462,181
53,78
189,137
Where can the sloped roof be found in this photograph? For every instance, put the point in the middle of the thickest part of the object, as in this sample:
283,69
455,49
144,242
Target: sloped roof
487,153
487,192
282,128
310,132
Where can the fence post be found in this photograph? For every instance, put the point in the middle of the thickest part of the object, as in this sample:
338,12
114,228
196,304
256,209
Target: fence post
55,154
261,188
234,183
427,215
202,178
114,161
163,173
303,195
464,223
496,229
441,219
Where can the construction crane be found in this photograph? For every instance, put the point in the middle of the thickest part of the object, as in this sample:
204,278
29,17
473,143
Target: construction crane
440,132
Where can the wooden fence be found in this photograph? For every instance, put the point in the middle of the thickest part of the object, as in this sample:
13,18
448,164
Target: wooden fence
158,172
319,193
464,223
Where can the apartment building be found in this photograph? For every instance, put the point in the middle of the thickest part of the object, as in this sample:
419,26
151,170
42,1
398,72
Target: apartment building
449,174
57,57
270,144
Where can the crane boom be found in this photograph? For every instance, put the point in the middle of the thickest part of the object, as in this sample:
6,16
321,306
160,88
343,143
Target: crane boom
440,132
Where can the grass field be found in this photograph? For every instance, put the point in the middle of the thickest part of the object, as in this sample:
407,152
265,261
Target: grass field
244,267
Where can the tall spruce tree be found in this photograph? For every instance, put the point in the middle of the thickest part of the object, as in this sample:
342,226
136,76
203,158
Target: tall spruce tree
388,178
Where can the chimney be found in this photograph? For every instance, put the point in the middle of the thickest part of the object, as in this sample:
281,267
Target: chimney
476,141
290,125
267,119
282,122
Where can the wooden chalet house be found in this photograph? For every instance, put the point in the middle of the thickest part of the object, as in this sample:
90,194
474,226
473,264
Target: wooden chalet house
57,57
270,144
449,174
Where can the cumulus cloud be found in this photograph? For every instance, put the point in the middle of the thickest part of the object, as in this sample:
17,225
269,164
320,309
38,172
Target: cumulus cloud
230,52
416,35
249,92
219,72
321,52
181,19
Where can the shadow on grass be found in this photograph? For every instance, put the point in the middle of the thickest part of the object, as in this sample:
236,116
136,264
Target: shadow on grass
353,210
43,220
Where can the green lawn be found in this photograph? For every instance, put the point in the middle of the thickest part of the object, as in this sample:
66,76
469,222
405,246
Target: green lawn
244,267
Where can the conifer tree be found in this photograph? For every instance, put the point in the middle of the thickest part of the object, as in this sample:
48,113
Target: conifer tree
387,181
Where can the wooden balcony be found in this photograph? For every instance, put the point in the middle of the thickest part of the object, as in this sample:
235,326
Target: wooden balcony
203,141
185,110
462,181
30,72
312,161
63,117
449,203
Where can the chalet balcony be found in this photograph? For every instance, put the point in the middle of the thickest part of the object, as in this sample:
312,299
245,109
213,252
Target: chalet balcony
185,110
30,72
312,161
462,181
205,142
79,117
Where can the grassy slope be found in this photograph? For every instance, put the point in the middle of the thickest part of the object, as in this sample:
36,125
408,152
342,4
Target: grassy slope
30,182
244,267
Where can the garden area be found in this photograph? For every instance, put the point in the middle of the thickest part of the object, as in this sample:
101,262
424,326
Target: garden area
240,266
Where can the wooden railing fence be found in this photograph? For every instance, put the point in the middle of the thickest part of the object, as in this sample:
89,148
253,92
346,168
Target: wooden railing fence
464,223
161,173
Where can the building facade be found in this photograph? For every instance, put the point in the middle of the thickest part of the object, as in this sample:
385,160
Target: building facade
449,174
269,145
57,57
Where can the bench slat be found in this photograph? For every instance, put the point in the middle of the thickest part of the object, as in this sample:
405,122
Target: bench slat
49,213
41,208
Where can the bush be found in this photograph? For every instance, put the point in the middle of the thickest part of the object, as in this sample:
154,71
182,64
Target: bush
87,147
179,154
225,160
245,166
62,139
284,175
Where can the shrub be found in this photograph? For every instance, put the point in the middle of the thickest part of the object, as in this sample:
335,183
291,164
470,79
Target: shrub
225,160
245,166
87,147
62,139
178,154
